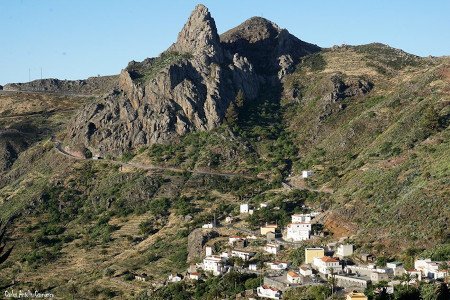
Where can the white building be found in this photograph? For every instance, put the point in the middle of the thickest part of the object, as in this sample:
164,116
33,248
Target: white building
344,250
327,264
293,277
253,267
208,226
430,269
265,291
245,209
301,218
175,278
245,255
213,264
298,231
305,271
307,173
234,239
272,248
208,251
194,276
229,220
396,267
277,265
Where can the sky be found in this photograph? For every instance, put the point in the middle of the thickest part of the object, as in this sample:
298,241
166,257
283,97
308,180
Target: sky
69,39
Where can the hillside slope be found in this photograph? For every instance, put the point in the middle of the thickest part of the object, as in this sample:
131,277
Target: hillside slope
212,122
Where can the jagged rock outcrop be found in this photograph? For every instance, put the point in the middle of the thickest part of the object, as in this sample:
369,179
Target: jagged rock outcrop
341,89
12,142
196,240
188,87
93,85
268,48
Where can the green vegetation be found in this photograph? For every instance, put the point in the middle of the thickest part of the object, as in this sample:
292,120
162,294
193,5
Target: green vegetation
227,286
314,62
148,69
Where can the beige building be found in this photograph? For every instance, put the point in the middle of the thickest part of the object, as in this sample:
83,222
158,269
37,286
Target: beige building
268,228
355,296
311,253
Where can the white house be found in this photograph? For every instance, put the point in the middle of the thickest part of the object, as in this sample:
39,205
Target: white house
298,231
208,251
213,264
175,278
301,218
234,239
277,265
325,264
194,276
253,267
265,291
307,173
430,269
272,248
229,220
396,267
305,271
293,277
245,255
208,226
262,205
344,250
245,208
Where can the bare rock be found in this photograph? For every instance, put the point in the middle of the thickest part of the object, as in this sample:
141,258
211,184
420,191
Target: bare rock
196,240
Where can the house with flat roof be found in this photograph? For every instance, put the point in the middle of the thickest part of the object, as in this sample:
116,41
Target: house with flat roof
355,296
244,255
311,253
327,265
272,248
268,228
265,291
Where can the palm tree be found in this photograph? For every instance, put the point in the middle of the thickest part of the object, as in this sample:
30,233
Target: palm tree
332,280
4,254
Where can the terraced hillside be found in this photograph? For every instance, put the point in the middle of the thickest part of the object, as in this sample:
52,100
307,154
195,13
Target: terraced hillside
371,121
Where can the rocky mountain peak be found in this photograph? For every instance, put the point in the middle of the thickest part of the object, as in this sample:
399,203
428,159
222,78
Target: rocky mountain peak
269,48
199,36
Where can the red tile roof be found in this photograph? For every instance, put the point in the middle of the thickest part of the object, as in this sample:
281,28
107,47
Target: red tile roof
329,259
293,274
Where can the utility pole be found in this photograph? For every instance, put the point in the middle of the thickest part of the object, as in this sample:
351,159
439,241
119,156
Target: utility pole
41,73
29,74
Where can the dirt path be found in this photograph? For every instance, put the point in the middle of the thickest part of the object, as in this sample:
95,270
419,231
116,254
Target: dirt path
59,149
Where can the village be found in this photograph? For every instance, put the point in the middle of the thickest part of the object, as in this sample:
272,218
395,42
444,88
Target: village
336,264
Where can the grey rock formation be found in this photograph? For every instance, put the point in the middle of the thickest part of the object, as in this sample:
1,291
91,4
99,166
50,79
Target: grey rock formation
196,240
12,142
267,46
189,87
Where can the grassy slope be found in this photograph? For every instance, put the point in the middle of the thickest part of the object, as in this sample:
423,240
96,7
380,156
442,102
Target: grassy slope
82,220
387,154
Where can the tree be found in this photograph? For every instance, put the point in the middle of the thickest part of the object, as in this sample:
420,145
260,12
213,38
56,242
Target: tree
240,99
231,115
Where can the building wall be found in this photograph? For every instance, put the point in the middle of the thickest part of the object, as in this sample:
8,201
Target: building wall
311,253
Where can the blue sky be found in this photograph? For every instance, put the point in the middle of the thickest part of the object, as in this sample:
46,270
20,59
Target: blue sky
77,39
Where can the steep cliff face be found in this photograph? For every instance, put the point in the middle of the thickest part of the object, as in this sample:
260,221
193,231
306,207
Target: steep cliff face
269,48
188,87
